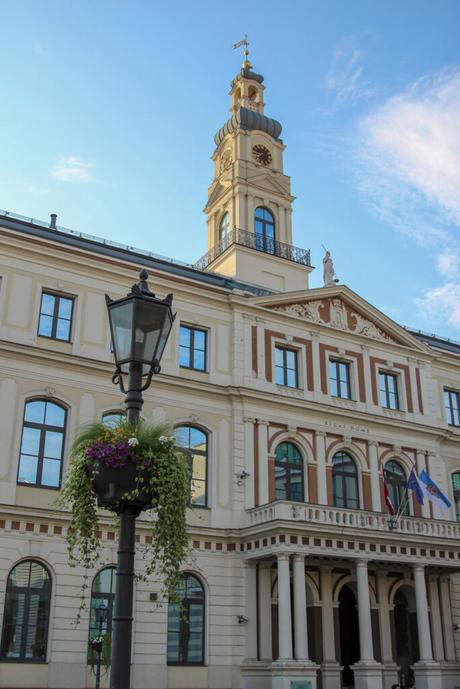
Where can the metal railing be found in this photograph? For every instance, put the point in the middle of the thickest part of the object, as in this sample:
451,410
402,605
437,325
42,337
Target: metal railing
254,241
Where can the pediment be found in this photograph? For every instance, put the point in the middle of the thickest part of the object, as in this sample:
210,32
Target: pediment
218,191
339,308
265,182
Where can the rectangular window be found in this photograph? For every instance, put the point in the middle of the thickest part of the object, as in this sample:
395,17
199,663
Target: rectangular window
286,367
388,390
339,379
55,319
192,348
452,406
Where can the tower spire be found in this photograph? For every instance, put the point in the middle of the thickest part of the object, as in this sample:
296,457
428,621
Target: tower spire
245,42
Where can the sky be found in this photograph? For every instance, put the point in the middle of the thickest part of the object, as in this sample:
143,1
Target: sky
108,111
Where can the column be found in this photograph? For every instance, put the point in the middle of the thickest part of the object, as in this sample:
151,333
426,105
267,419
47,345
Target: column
367,373
321,467
284,608
328,616
251,611
316,363
249,498
260,348
446,618
421,465
384,617
263,462
300,609
265,612
436,629
375,476
364,613
423,623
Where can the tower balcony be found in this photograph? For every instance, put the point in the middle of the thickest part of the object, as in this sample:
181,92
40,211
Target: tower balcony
250,240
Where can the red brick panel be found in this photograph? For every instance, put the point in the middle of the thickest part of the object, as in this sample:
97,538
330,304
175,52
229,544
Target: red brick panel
312,484
271,480
254,349
256,465
330,491
268,352
367,496
419,390
360,367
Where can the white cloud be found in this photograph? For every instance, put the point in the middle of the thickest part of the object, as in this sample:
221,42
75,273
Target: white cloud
409,150
442,302
72,169
38,191
448,263
345,77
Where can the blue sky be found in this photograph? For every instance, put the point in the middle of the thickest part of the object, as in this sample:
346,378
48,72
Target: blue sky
109,109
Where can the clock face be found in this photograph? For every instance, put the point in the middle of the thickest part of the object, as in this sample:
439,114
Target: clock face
225,160
261,154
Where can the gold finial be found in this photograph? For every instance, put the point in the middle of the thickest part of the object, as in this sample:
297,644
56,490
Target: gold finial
245,42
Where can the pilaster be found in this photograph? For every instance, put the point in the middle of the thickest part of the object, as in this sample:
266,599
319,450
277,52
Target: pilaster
321,467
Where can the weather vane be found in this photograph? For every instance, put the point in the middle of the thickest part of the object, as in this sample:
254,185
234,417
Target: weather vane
244,42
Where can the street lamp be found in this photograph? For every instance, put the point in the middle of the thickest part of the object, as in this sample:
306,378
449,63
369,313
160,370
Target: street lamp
140,324
97,643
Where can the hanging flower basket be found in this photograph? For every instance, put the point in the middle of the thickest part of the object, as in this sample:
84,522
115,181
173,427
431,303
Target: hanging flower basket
128,467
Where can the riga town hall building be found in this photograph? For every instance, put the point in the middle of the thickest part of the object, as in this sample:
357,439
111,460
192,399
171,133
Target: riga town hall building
292,402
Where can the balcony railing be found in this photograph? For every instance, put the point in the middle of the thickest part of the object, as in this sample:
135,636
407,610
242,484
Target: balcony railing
330,517
254,241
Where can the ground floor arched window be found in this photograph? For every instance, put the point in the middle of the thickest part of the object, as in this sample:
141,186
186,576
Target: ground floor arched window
26,614
186,623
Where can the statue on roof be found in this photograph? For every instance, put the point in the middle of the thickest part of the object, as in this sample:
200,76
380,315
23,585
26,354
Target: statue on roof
329,275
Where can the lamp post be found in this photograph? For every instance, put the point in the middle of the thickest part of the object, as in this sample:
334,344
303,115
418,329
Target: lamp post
97,643
140,324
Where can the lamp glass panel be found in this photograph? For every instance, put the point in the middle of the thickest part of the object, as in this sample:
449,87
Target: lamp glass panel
121,316
148,323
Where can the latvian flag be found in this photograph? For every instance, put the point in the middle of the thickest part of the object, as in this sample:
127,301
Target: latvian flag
388,502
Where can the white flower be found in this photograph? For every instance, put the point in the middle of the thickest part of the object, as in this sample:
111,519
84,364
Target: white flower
163,439
132,442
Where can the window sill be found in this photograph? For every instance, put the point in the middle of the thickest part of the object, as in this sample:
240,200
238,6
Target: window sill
54,345
186,664
23,661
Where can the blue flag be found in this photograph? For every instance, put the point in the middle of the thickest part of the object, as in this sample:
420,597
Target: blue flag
414,484
432,492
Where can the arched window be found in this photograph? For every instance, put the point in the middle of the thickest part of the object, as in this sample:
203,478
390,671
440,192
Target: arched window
101,610
345,481
288,473
264,228
42,444
456,491
27,610
224,227
396,481
186,619
195,443
112,419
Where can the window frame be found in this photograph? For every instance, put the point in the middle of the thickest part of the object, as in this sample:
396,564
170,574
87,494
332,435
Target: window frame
189,454
455,495
113,412
343,475
224,224
284,368
263,241
57,297
40,457
394,487
348,364
100,595
288,467
26,590
184,622
387,392
191,348
450,392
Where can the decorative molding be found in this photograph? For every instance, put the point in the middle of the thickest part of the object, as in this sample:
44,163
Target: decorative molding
339,318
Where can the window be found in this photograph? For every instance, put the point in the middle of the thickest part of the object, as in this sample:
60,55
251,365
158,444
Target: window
186,623
102,596
339,379
452,405
396,481
288,473
55,317
456,491
195,443
192,348
112,419
224,227
286,367
388,385
42,444
264,228
345,481
27,609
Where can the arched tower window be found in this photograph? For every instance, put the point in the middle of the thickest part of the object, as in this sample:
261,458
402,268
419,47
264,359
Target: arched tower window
224,227
456,491
288,473
102,596
186,623
345,481
396,481
195,443
264,228
26,615
42,444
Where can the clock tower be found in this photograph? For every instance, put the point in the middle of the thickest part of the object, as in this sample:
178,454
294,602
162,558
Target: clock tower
249,201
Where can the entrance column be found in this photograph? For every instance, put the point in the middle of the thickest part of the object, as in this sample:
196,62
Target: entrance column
284,608
368,673
436,629
330,668
300,609
427,671
251,611
265,611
